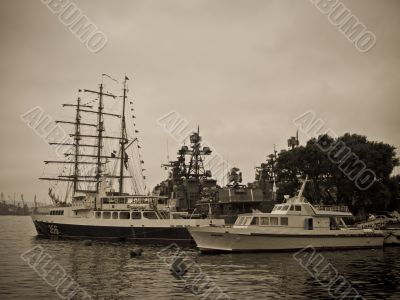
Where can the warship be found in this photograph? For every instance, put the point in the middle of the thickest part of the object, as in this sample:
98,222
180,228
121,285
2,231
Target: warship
100,190
191,187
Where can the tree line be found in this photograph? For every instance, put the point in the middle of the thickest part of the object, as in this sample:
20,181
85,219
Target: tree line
349,170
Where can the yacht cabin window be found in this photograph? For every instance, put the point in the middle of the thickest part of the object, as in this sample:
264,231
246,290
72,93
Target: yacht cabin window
298,207
248,220
106,215
244,221
292,207
285,207
98,214
273,220
124,215
239,221
115,215
150,215
136,215
108,200
256,221
57,212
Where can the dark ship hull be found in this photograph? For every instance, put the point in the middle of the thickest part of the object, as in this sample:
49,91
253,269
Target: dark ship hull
140,235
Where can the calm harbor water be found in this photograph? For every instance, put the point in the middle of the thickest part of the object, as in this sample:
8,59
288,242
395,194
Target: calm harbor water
106,271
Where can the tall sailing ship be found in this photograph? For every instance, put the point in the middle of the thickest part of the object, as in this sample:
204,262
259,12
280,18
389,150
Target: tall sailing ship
102,163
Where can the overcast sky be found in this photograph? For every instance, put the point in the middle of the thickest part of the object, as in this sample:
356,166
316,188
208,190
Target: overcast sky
243,70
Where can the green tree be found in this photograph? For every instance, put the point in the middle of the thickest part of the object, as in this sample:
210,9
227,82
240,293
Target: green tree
332,166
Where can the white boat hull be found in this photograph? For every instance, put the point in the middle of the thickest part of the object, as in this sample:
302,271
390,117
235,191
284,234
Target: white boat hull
392,237
215,240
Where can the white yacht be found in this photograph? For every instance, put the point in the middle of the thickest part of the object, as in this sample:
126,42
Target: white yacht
292,225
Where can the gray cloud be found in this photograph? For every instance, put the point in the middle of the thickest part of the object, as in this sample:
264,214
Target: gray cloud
243,70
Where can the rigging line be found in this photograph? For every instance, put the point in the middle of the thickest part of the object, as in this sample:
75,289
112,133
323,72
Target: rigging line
68,189
106,75
91,101
139,179
114,169
132,171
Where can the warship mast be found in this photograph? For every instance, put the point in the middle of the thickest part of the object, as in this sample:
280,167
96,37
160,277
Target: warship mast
196,165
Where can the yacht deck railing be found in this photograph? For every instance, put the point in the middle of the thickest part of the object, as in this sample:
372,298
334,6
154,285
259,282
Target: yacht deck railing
333,208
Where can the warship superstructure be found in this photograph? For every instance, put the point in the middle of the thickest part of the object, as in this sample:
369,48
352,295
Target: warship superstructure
191,187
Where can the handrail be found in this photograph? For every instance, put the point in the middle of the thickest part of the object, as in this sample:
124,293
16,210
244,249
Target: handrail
334,208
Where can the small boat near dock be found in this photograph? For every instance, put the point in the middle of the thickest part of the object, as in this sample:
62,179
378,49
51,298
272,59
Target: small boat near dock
389,225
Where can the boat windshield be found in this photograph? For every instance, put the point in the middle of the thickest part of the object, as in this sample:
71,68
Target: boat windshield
281,208
244,221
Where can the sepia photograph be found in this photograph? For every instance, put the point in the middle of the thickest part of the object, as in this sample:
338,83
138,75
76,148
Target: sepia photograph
199,149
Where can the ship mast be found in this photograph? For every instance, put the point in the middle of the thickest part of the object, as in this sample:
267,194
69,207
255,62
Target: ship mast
76,178
123,141
76,144
100,129
77,133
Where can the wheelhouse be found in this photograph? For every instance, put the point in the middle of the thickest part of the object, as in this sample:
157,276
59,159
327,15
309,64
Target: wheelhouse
298,213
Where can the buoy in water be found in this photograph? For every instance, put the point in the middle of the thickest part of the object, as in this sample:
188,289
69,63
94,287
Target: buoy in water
87,243
136,252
